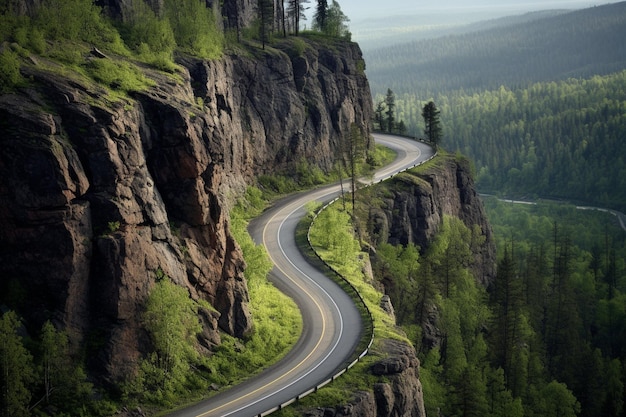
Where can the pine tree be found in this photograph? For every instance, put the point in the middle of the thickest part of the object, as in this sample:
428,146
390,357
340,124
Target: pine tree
265,10
320,18
432,124
507,301
296,13
390,102
378,115
16,368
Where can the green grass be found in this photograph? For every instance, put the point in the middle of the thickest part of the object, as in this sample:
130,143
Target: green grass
277,319
349,265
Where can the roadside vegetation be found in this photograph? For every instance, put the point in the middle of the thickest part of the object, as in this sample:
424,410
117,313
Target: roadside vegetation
68,32
497,359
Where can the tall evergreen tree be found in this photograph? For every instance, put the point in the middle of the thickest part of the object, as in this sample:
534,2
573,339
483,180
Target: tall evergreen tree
390,102
16,368
296,13
280,17
356,153
320,18
507,302
432,124
265,10
378,115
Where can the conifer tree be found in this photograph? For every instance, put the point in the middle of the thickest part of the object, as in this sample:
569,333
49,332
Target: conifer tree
390,102
320,18
296,13
16,368
265,10
432,124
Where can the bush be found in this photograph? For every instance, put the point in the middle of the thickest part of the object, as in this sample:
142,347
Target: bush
77,20
118,75
10,75
151,37
194,28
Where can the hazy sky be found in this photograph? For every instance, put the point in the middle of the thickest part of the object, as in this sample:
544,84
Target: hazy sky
363,9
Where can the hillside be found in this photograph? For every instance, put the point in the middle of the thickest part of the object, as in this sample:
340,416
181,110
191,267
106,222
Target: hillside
538,109
121,163
379,32
576,44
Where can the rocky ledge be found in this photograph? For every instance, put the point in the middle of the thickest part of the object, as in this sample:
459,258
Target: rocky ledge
100,193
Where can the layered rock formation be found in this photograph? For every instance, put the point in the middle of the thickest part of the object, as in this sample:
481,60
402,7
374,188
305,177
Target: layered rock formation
399,396
99,195
415,204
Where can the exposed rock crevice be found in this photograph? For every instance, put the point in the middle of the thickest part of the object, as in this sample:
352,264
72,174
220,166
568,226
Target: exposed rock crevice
98,195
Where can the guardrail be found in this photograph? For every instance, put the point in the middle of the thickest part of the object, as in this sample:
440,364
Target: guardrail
355,295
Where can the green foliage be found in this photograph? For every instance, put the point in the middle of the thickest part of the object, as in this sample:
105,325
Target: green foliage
298,46
562,273
550,139
332,236
309,175
47,370
65,384
148,35
195,29
10,75
77,20
335,23
432,124
16,368
557,401
171,319
118,75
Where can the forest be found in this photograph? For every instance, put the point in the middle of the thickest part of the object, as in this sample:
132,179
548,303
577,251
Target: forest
560,140
552,130
547,339
539,108
577,44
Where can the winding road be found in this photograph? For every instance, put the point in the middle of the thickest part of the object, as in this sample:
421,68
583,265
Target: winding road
331,323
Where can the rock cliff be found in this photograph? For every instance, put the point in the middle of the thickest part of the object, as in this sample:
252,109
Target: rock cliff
100,193
414,205
409,209
399,396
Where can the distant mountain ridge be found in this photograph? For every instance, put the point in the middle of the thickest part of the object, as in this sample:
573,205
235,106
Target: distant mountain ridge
575,44
379,32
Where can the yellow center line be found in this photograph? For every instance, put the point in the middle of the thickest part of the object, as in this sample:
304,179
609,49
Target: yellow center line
292,370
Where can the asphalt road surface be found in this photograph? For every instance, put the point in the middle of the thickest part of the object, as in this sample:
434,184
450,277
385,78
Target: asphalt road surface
331,323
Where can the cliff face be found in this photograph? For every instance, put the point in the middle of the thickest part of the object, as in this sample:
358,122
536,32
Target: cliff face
100,195
400,396
410,209
415,204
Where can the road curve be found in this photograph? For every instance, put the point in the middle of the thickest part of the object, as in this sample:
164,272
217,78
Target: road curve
331,323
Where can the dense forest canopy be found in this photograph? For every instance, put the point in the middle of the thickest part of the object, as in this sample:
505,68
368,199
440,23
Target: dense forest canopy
538,107
577,44
555,139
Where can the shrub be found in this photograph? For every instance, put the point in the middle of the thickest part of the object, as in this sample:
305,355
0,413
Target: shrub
77,20
194,28
148,35
9,70
118,75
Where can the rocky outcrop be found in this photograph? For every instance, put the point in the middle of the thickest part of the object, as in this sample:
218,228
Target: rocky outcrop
100,193
399,396
415,203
